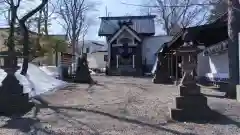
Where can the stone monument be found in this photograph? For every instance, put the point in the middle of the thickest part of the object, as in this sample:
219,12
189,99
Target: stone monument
83,74
161,75
191,104
12,99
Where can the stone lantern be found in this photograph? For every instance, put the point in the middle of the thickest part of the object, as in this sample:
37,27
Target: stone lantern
12,99
191,104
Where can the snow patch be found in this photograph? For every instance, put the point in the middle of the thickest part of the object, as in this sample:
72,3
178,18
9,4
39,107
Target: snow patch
50,70
2,76
36,81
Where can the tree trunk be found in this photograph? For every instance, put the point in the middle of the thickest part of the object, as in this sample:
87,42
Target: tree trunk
25,48
233,47
46,19
39,26
26,35
73,42
10,42
56,55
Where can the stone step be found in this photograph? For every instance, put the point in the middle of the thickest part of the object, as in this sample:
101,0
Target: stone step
185,102
121,72
200,114
189,90
14,104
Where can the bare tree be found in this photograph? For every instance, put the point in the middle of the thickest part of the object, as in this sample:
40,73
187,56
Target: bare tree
233,47
25,33
218,10
84,32
74,15
13,8
173,17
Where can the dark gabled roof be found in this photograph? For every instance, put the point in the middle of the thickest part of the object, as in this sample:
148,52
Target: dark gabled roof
140,24
161,49
222,18
207,34
176,41
120,29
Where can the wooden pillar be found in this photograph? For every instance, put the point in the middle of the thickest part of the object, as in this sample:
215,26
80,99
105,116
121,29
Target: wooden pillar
117,56
181,66
176,62
171,64
168,61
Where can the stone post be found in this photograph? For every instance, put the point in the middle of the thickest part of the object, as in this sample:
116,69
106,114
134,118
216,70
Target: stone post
12,99
83,74
161,75
191,104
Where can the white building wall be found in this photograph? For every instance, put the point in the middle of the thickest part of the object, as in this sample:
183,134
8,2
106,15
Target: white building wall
219,63
96,60
150,46
213,66
203,65
92,47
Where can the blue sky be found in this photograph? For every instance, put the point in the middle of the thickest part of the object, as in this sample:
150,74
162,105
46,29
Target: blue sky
114,7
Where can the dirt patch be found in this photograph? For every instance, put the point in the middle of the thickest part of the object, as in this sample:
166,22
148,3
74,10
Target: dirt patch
120,106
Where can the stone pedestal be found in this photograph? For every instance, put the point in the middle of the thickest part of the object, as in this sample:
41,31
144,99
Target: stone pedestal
161,75
12,99
231,91
162,78
191,105
223,87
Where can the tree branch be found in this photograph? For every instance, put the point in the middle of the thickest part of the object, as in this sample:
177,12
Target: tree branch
31,13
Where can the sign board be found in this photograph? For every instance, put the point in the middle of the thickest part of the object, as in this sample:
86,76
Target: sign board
66,59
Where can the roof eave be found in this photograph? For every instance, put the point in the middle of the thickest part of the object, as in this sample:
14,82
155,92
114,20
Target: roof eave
148,34
120,17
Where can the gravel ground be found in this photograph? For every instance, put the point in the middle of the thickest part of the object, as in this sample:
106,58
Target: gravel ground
120,106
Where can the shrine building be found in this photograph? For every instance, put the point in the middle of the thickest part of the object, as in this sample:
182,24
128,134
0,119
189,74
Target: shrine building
131,44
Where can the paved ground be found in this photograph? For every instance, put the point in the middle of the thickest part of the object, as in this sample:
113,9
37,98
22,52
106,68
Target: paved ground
121,106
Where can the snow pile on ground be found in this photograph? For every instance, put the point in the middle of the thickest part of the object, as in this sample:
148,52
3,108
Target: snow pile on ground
36,81
2,76
50,70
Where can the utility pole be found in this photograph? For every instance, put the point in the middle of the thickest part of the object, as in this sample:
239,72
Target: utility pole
106,11
233,46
